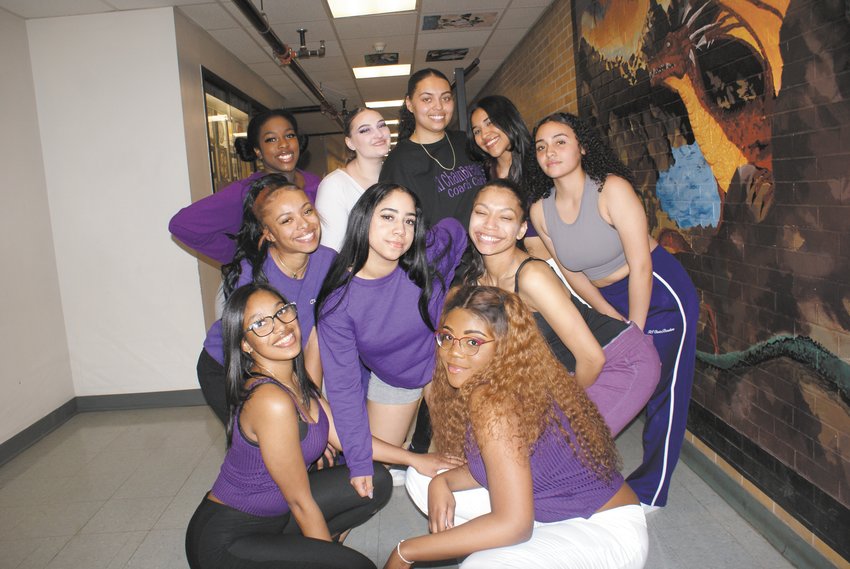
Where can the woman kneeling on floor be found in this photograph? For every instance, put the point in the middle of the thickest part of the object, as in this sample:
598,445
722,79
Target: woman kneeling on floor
265,507
532,438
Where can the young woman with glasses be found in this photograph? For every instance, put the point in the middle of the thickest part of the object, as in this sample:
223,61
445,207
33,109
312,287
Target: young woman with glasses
376,314
541,486
265,509
612,360
207,224
277,244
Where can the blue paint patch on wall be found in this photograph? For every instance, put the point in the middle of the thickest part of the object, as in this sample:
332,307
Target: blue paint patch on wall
688,191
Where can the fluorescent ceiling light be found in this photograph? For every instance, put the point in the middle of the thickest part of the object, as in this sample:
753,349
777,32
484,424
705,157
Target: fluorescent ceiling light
217,118
389,122
384,104
393,135
381,71
346,8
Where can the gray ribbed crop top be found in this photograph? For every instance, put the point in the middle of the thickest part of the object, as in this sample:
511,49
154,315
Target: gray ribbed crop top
589,244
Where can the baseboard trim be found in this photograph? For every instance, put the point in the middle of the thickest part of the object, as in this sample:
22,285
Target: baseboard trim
784,539
124,401
59,416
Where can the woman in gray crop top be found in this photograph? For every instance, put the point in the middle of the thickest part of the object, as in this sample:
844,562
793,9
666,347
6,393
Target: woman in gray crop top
592,221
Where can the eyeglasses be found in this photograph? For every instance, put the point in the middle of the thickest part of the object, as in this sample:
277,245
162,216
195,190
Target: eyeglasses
468,345
265,326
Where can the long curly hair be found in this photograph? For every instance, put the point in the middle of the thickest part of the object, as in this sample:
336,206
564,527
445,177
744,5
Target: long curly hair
522,380
598,160
248,245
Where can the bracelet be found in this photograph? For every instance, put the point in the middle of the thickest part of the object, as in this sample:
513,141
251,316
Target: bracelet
398,550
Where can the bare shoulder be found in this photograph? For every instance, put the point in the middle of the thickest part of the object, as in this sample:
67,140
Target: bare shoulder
616,186
269,400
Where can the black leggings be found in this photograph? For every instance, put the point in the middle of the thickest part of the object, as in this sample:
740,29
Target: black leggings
220,537
211,377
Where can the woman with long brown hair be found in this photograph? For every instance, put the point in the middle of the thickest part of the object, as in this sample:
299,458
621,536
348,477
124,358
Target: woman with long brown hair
532,438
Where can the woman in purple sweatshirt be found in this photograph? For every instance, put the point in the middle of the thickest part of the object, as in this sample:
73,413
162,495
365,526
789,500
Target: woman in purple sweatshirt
208,224
376,314
278,244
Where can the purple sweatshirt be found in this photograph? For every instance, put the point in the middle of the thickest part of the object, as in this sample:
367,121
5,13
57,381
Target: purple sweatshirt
302,292
204,225
377,326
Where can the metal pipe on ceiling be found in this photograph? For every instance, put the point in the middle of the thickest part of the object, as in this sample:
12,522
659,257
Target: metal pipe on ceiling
257,19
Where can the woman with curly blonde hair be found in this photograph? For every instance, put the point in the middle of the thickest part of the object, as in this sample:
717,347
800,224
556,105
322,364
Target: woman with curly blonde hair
551,494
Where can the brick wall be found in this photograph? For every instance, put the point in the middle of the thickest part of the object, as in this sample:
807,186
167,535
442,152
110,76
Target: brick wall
744,172
539,76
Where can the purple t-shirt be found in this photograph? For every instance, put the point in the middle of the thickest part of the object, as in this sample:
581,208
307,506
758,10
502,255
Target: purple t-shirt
204,225
302,292
374,324
563,487
244,482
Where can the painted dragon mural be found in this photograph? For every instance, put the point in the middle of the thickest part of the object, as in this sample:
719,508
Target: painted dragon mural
733,115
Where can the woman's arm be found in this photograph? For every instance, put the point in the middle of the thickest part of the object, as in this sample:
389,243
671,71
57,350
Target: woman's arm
629,219
512,503
544,292
204,224
578,281
344,384
270,416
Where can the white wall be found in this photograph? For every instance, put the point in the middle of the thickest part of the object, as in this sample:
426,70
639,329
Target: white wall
196,48
35,377
111,123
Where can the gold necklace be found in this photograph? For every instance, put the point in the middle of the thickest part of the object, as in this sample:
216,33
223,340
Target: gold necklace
454,158
285,266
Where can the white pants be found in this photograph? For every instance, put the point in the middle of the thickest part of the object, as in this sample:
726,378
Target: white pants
613,539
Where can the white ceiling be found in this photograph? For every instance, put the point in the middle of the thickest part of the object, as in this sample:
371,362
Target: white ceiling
347,40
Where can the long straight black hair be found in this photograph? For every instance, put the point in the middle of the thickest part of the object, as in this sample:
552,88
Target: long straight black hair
355,251
250,232
238,364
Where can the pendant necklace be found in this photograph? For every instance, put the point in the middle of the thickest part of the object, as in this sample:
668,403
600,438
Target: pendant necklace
287,268
454,158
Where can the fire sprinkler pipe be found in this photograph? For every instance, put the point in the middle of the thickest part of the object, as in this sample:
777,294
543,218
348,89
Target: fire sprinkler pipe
261,25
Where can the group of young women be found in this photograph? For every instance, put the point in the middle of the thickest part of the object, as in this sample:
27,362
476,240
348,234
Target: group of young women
423,285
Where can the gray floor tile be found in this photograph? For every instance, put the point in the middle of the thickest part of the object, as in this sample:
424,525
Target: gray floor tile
116,489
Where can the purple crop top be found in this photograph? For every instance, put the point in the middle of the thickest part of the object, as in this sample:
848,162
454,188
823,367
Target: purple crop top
563,487
244,482
588,245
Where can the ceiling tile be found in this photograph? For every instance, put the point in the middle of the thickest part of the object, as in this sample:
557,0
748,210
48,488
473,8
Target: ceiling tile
241,45
144,4
50,8
210,16
375,26
450,40
462,6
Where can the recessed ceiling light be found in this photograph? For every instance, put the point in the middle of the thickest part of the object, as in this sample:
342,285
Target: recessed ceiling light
347,8
384,104
381,71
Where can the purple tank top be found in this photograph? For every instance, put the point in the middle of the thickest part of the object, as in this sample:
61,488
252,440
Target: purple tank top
563,487
245,484
588,244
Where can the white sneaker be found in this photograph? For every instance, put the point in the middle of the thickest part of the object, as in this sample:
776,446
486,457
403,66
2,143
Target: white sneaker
399,475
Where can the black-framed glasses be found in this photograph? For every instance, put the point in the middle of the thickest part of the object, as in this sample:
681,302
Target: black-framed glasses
468,345
265,326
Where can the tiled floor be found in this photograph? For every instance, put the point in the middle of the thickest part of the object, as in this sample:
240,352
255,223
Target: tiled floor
116,489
